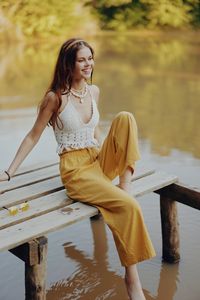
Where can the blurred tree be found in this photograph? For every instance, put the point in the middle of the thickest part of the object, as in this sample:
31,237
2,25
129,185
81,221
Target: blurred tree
172,13
194,10
37,18
120,15
109,3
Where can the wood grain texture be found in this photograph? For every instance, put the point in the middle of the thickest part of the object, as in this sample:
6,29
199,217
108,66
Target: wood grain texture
27,252
182,193
37,207
21,233
170,230
31,192
45,215
29,178
35,276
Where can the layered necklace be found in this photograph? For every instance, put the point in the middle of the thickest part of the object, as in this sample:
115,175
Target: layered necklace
80,94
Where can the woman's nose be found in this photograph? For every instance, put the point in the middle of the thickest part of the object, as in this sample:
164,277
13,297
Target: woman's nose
87,62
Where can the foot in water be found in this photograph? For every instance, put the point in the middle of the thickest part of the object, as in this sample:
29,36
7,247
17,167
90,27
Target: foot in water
134,290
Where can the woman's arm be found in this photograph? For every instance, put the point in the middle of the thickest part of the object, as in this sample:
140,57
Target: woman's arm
33,135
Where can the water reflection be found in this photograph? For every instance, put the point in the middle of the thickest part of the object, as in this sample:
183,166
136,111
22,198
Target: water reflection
155,77
169,277
94,280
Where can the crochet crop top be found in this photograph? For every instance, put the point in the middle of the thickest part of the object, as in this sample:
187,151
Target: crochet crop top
74,133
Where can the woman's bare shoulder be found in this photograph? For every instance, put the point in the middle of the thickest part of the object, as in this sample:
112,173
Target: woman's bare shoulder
51,96
95,88
95,91
51,100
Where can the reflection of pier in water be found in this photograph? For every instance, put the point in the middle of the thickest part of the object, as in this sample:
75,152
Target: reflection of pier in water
94,281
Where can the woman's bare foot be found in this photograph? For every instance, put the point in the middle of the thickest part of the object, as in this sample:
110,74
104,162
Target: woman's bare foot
134,290
133,284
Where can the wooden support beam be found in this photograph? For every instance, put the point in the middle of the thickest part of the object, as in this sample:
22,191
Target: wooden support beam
35,276
170,230
181,193
27,252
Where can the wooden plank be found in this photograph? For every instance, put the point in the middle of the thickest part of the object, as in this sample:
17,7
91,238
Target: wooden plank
59,199
21,233
152,183
182,193
27,179
36,167
30,192
38,207
142,173
35,190
15,235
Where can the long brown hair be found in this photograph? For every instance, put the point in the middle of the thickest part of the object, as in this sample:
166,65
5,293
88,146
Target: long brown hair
63,73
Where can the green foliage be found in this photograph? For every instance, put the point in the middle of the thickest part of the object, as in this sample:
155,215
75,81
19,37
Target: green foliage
194,11
151,13
38,18
172,13
122,16
109,3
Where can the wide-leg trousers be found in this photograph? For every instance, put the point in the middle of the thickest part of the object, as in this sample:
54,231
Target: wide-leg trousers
87,175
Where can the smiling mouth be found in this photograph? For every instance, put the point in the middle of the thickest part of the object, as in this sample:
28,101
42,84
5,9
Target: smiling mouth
87,70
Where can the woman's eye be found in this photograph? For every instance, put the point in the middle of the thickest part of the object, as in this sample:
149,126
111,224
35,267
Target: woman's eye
82,60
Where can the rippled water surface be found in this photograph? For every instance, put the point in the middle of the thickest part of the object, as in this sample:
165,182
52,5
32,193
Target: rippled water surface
157,78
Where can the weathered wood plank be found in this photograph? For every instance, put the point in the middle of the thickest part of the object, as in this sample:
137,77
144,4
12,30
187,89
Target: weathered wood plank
142,173
29,178
12,236
30,192
35,190
35,167
59,199
21,233
182,193
37,207
152,183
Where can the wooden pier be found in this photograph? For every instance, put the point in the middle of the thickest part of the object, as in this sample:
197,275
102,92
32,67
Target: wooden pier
24,234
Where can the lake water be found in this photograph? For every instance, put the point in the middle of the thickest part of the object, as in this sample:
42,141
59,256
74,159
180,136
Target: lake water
157,78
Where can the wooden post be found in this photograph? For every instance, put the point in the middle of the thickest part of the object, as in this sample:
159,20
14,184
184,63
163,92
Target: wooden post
181,193
35,275
170,230
27,252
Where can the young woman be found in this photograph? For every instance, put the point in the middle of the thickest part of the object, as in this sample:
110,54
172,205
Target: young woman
87,170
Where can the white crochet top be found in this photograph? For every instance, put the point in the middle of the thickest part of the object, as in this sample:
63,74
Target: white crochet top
73,132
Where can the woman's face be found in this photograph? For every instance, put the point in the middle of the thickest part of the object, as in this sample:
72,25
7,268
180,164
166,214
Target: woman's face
84,64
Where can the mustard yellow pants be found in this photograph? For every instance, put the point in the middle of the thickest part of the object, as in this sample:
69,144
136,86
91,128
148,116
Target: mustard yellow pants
87,175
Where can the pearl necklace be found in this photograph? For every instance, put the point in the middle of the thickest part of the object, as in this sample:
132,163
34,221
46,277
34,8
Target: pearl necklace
80,94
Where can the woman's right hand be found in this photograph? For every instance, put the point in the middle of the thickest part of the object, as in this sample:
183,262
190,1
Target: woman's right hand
3,176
